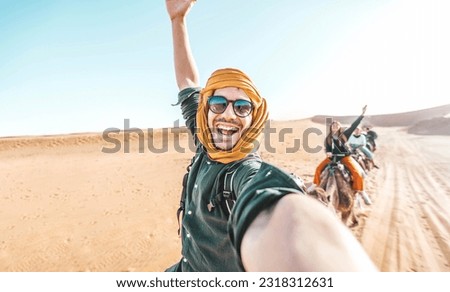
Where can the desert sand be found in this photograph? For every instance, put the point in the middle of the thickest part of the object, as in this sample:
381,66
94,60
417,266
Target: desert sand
67,206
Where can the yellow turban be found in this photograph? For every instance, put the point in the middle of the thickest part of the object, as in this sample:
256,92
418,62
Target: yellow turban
230,77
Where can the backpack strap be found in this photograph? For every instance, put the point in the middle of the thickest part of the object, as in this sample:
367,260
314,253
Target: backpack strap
228,195
225,195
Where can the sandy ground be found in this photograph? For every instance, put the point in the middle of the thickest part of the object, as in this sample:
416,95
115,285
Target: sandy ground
408,228
67,206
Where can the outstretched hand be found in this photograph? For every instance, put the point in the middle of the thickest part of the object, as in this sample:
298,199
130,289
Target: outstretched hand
364,110
178,8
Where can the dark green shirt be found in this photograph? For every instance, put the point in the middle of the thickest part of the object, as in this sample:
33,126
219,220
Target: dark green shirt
210,237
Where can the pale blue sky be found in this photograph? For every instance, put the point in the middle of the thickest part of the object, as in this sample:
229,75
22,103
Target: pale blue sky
84,66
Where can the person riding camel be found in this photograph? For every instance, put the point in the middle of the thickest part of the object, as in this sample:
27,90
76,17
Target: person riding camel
371,136
358,141
336,143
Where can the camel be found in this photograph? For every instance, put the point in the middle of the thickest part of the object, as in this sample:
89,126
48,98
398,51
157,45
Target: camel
336,183
366,164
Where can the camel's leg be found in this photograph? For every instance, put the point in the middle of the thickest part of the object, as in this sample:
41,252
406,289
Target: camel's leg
344,216
354,220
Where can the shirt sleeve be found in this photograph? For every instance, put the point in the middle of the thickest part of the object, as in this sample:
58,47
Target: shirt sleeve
188,99
352,128
266,187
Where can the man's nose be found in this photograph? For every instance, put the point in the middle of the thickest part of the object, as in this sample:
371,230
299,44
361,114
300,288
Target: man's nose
229,111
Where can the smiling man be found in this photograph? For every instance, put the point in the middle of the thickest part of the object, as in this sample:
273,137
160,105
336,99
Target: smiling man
239,213
228,123
230,116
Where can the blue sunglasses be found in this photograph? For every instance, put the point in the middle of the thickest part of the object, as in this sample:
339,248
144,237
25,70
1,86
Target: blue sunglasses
241,107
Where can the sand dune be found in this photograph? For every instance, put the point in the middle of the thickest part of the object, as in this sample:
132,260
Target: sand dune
432,121
66,205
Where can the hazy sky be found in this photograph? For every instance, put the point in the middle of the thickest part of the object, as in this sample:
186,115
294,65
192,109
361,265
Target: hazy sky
84,66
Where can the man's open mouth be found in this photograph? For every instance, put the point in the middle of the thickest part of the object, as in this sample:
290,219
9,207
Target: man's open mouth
226,130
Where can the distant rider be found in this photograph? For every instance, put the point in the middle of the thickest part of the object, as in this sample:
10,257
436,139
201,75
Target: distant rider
358,141
335,143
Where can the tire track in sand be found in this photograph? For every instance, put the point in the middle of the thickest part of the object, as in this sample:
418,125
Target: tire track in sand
408,228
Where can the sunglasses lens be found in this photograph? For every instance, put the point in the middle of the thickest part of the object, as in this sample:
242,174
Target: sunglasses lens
217,104
242,107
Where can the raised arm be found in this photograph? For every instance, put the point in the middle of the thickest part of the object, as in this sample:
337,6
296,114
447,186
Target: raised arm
348,132
185,68
299,234
364,110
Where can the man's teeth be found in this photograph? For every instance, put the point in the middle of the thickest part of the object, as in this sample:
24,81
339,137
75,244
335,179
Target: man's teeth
227,130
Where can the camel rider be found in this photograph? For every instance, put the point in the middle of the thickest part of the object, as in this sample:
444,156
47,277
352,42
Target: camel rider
358,141
335,143
371,136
